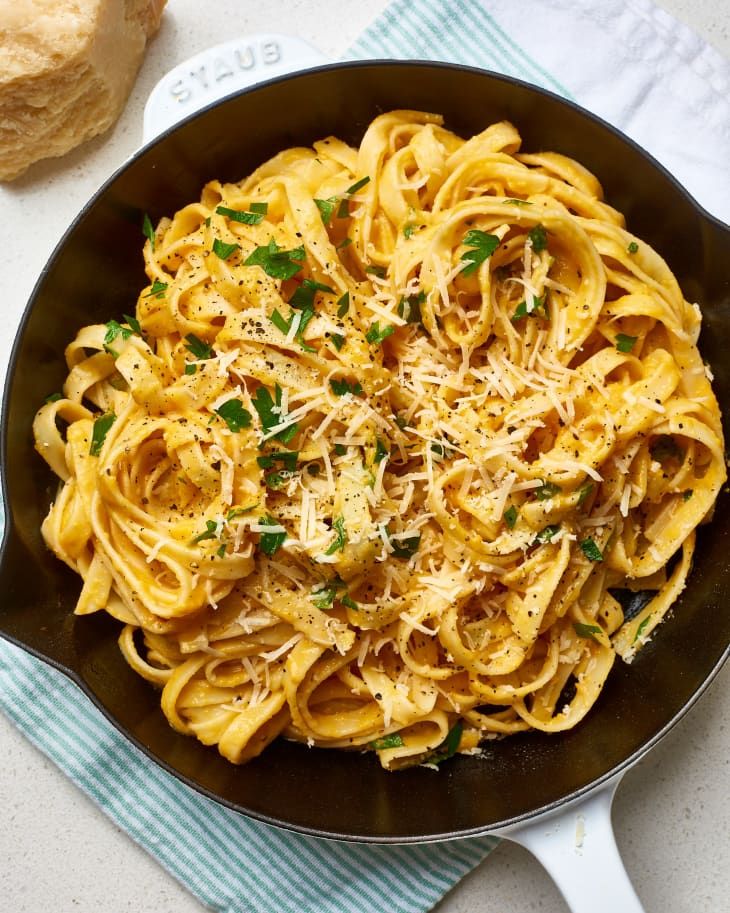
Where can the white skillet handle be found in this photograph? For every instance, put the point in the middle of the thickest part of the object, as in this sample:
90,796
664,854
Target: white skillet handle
220,71
578,849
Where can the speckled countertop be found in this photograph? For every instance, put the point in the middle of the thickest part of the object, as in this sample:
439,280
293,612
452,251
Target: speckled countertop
59,853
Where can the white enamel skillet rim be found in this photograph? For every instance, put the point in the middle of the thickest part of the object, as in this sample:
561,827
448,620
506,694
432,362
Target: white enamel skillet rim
573,838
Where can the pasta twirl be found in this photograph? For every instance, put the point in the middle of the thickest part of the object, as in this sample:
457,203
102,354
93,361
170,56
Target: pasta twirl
387,434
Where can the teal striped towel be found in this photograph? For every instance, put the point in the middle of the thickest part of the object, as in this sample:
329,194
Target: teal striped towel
230,863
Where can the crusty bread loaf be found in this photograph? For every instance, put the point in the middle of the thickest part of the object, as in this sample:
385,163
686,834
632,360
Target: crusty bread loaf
66,69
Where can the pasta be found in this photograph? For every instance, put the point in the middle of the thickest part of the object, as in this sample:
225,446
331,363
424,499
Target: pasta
394,436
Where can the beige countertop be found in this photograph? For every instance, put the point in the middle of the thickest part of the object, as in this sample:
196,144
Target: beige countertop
59,853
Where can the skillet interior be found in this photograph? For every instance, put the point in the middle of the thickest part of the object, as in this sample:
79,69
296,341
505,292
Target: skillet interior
96,273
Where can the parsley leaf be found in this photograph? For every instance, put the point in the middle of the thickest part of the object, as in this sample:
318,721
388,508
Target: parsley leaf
224,251
239,511
133,324
343,305
633,248
253,217
510,517
349,602
375,335
234,415
665,448
343,211
345,242
114,329
338,545
394,740
546,534
270,543
449,746
381,451
358,185
280,323
148,231
547,490
591,550
408,230
687,494
405,548
54,397
642,627
587,631
326,208
625,343
264,404
338,340
518,202
409,308
380,271
201,350
157,290
343,387
222,550
211,532
288,459
538,237
483,246
100,431
190,369
275,262
276,480
538,305
303,297
259,207
584,492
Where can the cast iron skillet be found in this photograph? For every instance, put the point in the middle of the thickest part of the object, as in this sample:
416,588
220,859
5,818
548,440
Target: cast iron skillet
95,274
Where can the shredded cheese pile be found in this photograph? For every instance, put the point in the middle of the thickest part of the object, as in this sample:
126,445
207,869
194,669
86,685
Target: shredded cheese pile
393,436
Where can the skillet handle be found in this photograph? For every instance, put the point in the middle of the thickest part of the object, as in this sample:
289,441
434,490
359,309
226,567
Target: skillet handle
578,849
220,71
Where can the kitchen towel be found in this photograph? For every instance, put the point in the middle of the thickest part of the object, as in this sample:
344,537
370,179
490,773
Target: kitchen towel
644,72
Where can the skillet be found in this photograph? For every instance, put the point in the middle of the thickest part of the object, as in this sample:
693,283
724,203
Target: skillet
522,779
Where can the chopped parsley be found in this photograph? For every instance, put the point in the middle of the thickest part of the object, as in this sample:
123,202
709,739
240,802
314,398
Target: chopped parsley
190,369
345,242
591,550
264,404
148,231
583,493
343,387
379,271
375,335
381,451
222,250
234,415
275,262
547,490
222,550
277,480
538,238
358,185
394,740
303,297
338,340
538,309
270,543
665,448
338,545
408,230
157,290
239,512
546,534
114,329
405,548
281,323
441,450
518,202
211,532
343,305
326,208
100,431
687,494
625,343
349,602
587,631
133,323
633,248
409,307
642,627
251,217
510,517
201,350
449,746
54,397
483,246
288,459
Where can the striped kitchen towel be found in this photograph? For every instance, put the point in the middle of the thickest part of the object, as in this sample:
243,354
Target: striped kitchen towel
624,59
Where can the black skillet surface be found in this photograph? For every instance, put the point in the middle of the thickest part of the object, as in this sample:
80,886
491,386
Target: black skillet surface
96,273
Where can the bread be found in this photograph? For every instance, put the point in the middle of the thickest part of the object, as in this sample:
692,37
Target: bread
66,69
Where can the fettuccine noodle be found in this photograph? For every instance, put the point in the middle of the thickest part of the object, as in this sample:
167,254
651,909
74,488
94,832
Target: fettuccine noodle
393,437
